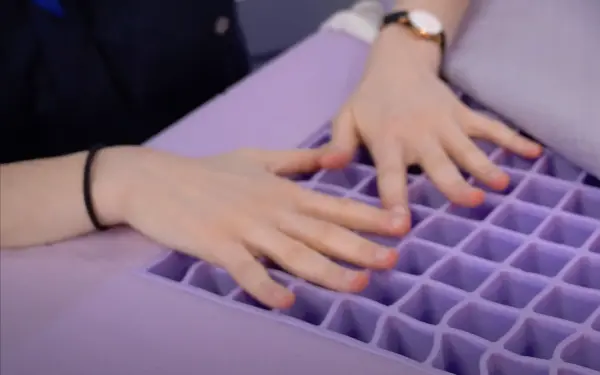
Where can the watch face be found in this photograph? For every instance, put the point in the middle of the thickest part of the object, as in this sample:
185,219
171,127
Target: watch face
425,22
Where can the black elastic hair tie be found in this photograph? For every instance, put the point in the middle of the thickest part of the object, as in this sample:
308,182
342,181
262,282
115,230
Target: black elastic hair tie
87,187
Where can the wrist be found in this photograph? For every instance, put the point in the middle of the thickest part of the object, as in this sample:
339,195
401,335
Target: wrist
112,183
404,45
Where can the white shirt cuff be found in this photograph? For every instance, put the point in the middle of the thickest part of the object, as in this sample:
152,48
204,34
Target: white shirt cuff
362,21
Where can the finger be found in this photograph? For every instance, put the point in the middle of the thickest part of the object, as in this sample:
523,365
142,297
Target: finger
297,258
255,280
338,242
344,141
480,126
471,158
289,161
349,213
446,176
388,156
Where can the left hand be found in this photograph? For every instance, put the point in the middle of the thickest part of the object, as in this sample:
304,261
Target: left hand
406,115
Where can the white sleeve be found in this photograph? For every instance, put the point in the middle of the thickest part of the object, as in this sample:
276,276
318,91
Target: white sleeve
362,21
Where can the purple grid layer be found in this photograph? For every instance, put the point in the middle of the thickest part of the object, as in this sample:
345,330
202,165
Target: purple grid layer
508,288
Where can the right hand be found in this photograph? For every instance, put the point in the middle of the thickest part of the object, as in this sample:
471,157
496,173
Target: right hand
233,208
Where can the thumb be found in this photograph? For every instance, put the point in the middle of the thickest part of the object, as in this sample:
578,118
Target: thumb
344,141
289,162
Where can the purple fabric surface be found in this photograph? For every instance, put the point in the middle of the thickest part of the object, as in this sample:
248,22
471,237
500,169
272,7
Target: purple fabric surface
279,106
536,62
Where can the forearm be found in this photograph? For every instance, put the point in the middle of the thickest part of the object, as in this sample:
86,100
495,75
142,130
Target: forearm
41,201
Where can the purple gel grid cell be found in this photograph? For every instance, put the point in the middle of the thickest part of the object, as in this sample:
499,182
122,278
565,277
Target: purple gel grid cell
311,306
595,245
568,304
371,188
174,266
463,273
568,231
345,178
426,194
429,304
558,167
584,352
416,258
405,339
417,215
386,288
459,356
518,218
492,245
445,231
355,320
584,202
513,161
543,259
585,273
504,365
537,338
478,213
542,193
211,279
483,320
511,287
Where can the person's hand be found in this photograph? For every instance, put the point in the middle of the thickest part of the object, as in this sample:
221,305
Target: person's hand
406,115
231,209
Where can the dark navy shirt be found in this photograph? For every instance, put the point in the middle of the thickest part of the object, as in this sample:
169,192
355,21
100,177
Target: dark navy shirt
74,73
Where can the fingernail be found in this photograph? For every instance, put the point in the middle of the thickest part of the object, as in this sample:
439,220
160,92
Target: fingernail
356,280
399,214
383,254
500,178
496,173
478,196
280,294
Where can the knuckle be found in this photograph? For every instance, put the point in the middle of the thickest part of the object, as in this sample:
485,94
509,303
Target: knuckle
476,159
483,165
390,123
346,206
511,135
320,268
439,166
428,147
293,255
391,178
364,249
327,234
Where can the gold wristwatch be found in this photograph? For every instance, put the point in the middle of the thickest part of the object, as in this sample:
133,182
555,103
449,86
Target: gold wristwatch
421,22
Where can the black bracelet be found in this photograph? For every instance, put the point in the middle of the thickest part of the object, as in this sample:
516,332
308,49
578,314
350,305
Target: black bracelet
87,188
